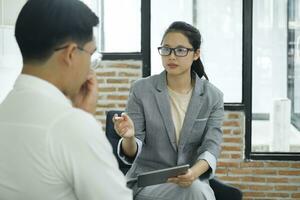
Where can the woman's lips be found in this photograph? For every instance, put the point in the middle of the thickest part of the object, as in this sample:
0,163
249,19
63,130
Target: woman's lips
172,65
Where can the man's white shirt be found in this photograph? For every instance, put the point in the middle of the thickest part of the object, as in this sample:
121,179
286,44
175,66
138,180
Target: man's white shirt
50,150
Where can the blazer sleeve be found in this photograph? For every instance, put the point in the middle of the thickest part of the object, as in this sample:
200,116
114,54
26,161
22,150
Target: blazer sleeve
136,112
211,146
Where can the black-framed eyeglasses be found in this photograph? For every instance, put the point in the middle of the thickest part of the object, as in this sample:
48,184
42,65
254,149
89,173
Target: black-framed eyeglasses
95,55
178,51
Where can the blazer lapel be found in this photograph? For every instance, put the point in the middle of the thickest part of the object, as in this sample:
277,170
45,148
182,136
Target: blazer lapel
162,99
192,111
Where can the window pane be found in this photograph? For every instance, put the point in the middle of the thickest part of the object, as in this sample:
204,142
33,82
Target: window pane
10,56
294,60
163,13
1,22
271,126
11,10
220,23
10,60
121,26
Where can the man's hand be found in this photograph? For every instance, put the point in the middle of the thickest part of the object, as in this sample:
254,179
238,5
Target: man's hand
86,99
123,125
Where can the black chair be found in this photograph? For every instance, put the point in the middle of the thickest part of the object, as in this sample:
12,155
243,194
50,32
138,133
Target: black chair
222,191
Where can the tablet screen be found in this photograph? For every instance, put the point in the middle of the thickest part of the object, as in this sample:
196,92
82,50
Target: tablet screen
160,176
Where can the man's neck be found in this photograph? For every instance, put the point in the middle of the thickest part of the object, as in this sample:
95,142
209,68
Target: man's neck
43,72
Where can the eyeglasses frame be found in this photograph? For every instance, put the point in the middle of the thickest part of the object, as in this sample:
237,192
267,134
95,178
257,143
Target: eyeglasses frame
173,50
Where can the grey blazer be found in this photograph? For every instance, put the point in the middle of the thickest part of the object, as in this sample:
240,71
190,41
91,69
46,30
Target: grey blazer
201,133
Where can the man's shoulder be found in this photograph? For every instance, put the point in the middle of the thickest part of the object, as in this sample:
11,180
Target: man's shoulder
75,123
77,118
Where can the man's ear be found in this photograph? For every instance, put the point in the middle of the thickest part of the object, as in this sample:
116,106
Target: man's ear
197,54
69,53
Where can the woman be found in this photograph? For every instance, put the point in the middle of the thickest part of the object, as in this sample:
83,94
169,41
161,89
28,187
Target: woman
177,120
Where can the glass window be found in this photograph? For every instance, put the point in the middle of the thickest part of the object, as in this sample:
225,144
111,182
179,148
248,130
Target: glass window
220,23
163,13
119,29
294,60
121,26
272,130
10,56
1,18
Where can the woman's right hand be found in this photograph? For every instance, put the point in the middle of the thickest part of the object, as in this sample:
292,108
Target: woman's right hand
123,125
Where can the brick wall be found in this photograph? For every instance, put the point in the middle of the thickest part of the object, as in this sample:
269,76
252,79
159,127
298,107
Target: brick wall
257,179
114,80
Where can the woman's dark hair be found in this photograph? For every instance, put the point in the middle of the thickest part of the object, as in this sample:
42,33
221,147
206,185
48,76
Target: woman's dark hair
44,25
194,38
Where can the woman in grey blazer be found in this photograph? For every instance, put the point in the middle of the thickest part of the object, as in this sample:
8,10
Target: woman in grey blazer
177,119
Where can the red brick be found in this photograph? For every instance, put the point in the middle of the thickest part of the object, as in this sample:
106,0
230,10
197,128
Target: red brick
293,173
294,180
240,186
231,123
123,89
110,105
103,89
122,106
232,140
117,97
252,164
233,116
277,180
283,195
254,194
295,165
221,171
261,187
236,156
128,74
277,164
240,171
124,65
117,81
286,187
252,179
225,156
230,178
231,148
106,73
226,131
99,113
237,131
227,164
265,172
296,195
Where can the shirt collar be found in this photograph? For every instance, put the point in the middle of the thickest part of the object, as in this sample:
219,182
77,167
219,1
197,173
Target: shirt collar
42,86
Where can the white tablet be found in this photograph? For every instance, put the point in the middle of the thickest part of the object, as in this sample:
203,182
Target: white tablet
160,176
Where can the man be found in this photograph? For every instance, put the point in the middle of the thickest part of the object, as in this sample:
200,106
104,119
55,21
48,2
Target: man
49,149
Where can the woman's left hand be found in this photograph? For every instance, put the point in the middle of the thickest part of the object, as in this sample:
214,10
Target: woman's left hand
184,180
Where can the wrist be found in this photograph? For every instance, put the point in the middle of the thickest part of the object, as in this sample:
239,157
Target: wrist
129,139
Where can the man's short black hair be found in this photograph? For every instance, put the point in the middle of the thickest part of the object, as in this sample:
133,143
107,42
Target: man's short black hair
44,25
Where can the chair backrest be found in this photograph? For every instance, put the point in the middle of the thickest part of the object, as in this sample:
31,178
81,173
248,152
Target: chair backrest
114,138
222,191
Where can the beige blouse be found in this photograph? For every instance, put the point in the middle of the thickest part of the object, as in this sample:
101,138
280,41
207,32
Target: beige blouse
179,103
